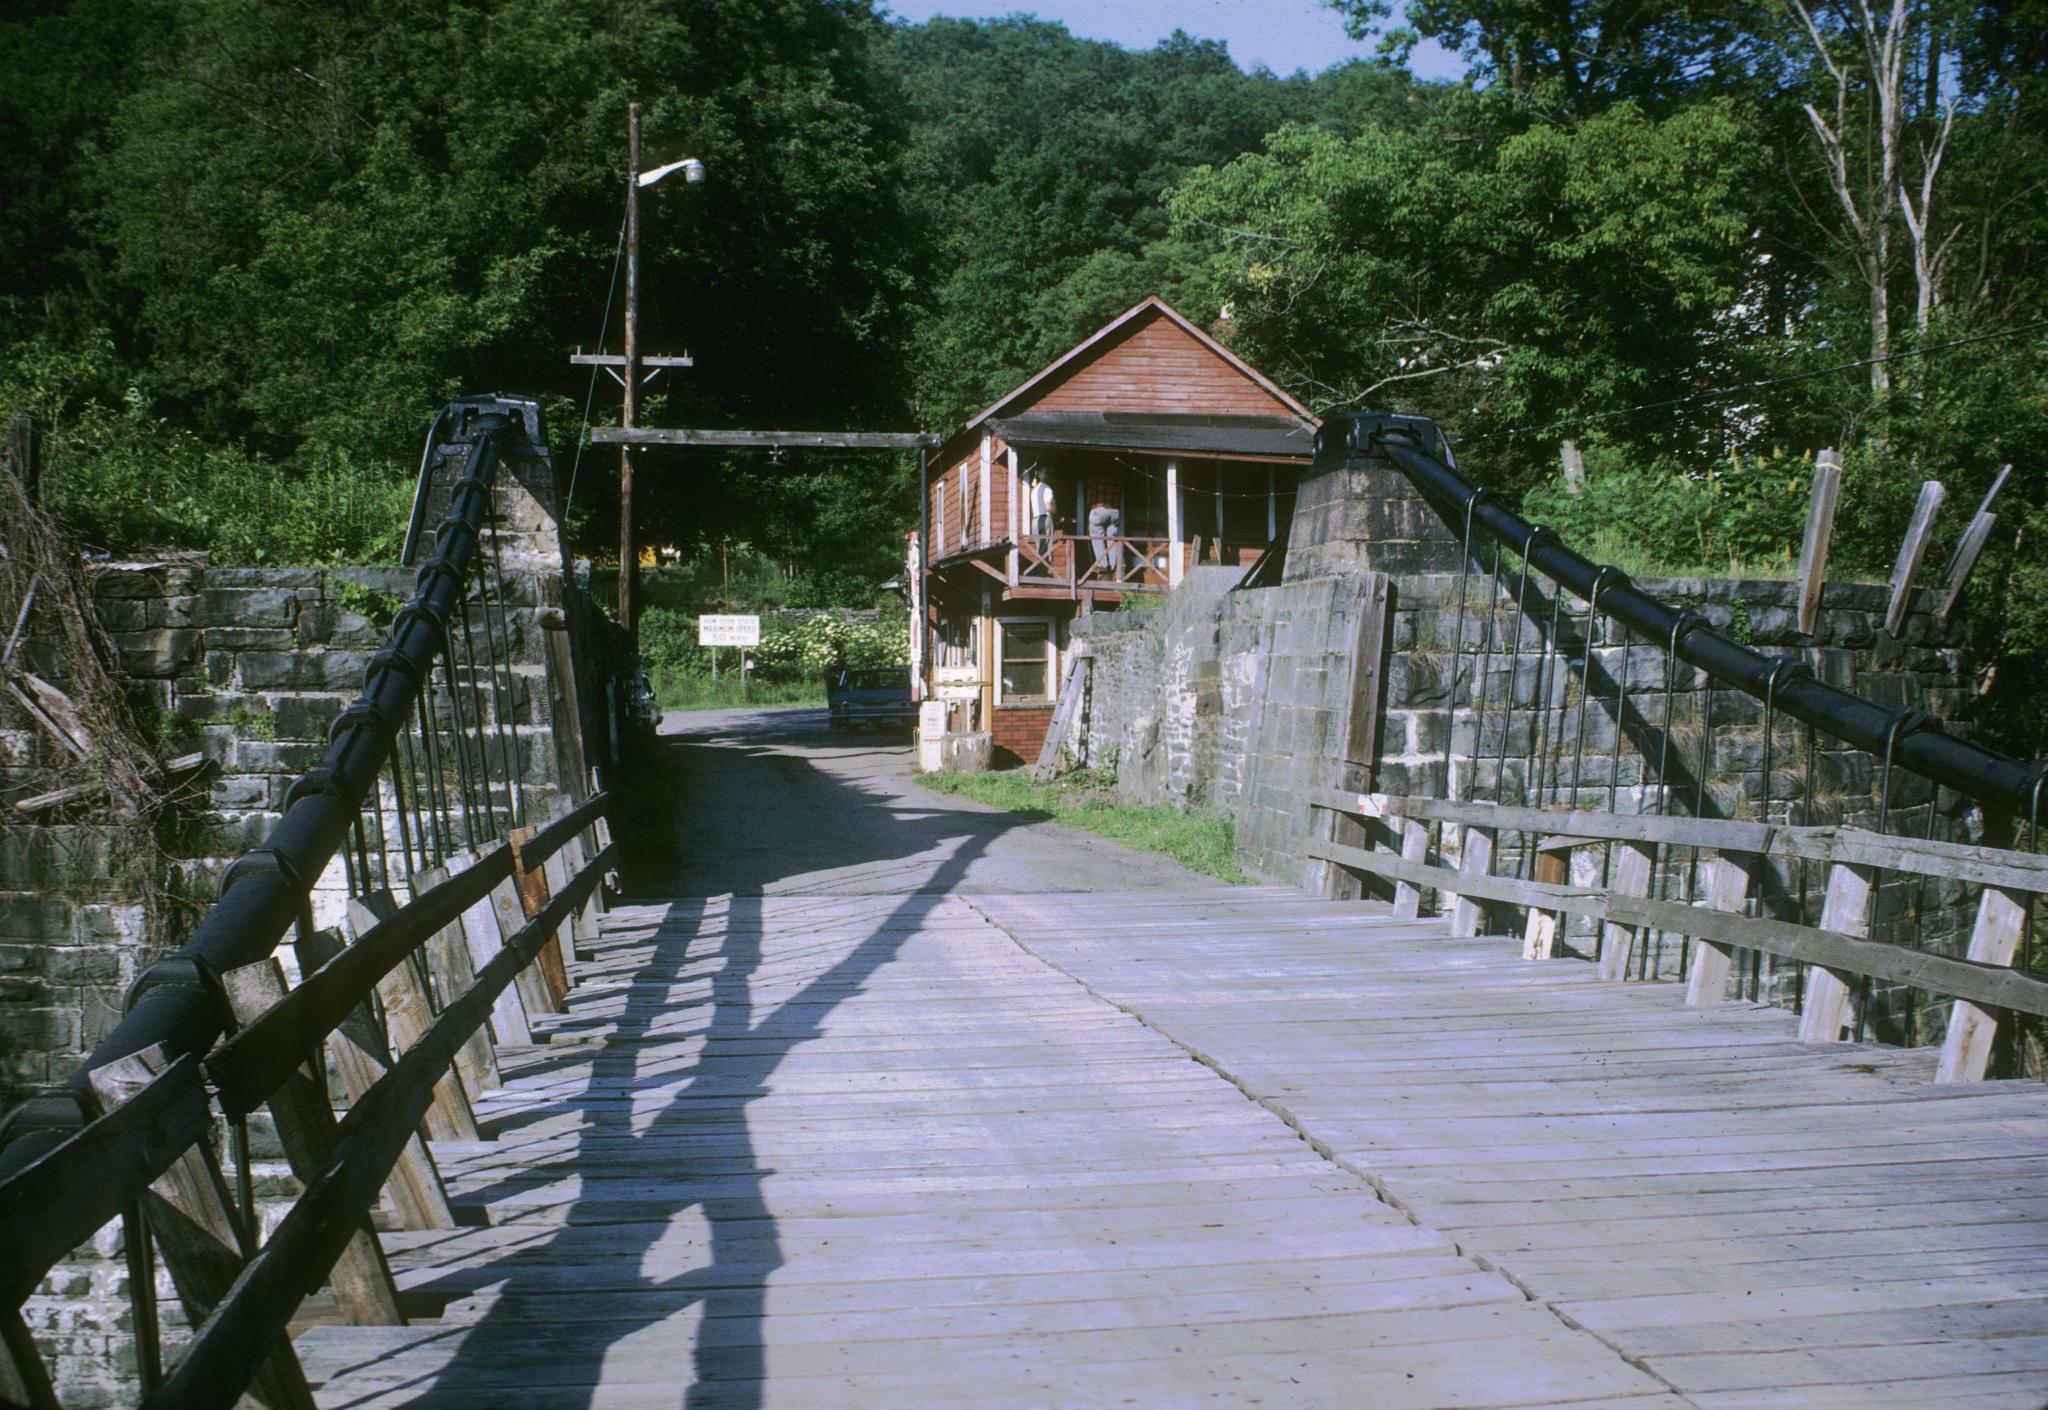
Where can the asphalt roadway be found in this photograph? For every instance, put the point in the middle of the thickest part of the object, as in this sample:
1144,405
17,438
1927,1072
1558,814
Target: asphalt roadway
776,803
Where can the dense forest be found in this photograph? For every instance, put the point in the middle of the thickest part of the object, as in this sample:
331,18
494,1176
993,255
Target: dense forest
248,246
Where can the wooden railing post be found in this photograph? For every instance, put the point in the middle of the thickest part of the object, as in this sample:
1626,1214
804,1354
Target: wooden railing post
192,1218
409,1013
1966,1050
1729,877
1475,859
1820,527
1845,912
360,1058
532,883
305,1128
1414,848
1539,932
1634,863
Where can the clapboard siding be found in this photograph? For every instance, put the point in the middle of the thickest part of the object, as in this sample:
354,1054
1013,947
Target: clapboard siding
1157,367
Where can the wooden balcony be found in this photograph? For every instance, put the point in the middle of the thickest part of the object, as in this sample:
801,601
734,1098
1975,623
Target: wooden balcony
1078,563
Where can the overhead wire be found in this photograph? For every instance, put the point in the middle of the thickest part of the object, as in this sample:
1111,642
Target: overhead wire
590,396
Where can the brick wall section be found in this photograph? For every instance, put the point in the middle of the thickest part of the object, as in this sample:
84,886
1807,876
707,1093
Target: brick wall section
1019,733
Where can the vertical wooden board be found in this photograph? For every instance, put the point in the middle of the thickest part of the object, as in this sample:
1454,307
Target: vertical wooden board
1729,877
1414,848
445,956
1475,859
1967,554
1919,534
195,1228
1820,527
508,1010
1539,936
533,898
1846,911
1634,863
1966,1051
510,913
360,1057
564,711
407,1016
1367,678
305,1128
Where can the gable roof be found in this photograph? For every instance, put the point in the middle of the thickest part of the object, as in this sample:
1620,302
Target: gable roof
1110,336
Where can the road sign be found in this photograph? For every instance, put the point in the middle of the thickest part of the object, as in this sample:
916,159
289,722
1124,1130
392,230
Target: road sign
728,631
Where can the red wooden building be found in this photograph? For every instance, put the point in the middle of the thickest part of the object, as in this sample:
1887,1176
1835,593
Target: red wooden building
1195,453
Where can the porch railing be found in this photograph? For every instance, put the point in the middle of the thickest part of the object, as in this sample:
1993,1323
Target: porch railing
1123,563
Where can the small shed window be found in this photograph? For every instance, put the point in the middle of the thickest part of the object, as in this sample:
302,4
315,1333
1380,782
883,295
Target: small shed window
1026,664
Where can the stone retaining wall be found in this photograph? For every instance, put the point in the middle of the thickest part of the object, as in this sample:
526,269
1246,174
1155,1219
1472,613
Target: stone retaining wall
1236,702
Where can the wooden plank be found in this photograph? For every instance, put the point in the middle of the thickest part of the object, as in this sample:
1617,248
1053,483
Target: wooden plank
508,906
1063,717
408,1013
1967,553
1966,1050
825,440
1367,678
305,1128
1813,545
1632,866
1846,911
316,1228
1955,861
1729,878
1539,934
57,1201
192,1220
532,883
1414,849
1919,534
445,956
1475,864
357,1049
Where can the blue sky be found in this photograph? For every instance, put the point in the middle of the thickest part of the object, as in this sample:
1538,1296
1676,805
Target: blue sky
1284,35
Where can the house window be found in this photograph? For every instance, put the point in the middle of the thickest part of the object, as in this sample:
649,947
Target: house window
1025,664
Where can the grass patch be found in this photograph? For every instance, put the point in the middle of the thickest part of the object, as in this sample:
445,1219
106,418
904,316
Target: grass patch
1201,841
678,690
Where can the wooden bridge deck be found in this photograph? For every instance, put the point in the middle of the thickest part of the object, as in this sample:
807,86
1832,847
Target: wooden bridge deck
1224,1147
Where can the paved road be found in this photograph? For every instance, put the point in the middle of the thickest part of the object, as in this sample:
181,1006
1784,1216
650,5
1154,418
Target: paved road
777,803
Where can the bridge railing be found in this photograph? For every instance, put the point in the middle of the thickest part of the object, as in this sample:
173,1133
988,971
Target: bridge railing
423,785
1982,986
1523,773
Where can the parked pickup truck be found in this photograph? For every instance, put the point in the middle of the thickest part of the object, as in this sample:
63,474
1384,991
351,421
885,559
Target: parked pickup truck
872,698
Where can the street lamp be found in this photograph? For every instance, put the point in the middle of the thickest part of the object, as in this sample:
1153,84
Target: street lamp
693,172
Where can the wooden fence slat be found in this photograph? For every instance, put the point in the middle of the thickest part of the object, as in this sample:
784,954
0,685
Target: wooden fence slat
509,907
1063,716
481,931
409,1012
360,1058
1414,848
192,1219
531,879
1966,1050
1633,865
1475,860
1729,877
305,1128
1820,527
445,956
1967,553
57,1202
315,1229
1539,933
1919,534
1845,912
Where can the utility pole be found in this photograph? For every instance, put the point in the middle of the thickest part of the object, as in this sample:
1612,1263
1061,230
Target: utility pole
629,557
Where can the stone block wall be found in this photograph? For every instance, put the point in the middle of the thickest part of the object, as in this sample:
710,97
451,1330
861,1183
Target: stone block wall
1236,702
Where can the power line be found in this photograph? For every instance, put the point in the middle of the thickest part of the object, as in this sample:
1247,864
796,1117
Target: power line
1716,393
590,396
